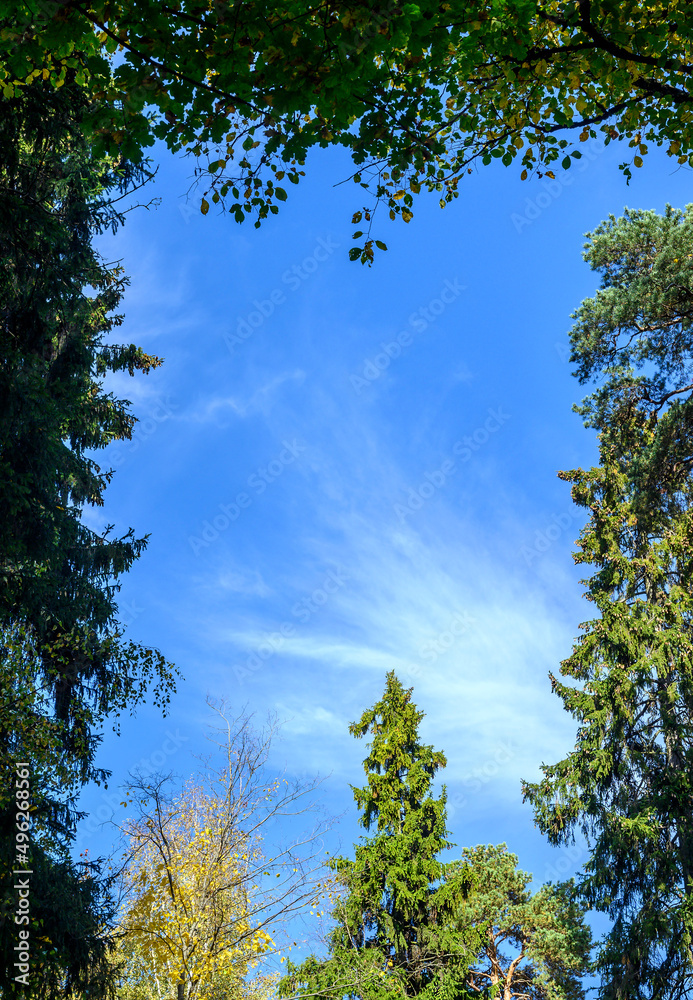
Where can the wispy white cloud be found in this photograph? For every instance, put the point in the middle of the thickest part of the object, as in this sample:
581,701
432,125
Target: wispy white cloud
143,393
260,401
247,583
476,648
433,598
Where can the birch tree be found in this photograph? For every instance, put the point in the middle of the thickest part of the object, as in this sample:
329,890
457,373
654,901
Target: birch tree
211,879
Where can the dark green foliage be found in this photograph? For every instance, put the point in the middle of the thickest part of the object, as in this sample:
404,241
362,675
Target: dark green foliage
628,785
397,881
70,906
56,574
65,665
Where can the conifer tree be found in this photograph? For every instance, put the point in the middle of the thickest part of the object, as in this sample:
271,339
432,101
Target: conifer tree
537,945
394,932
628,784
64,662
410,925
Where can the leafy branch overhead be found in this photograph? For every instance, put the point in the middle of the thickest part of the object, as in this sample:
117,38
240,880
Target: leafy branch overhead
418,93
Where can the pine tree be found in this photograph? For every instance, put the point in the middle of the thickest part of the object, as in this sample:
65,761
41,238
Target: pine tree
628,784
537,945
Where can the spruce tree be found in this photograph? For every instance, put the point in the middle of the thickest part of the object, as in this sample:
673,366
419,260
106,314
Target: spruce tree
65,665
628,784
410,925
394,930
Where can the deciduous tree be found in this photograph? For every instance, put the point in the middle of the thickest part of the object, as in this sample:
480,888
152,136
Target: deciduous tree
204,889
417,92
139,978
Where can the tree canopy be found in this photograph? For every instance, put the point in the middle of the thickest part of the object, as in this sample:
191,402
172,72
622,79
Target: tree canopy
188,910
417,92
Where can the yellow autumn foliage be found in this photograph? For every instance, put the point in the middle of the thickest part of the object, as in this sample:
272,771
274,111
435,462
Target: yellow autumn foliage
186,918
203,899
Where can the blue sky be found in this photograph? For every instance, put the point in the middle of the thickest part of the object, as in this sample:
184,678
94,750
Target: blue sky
348,470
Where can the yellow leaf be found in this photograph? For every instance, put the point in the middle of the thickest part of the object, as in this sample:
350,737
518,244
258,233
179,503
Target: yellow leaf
204,207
